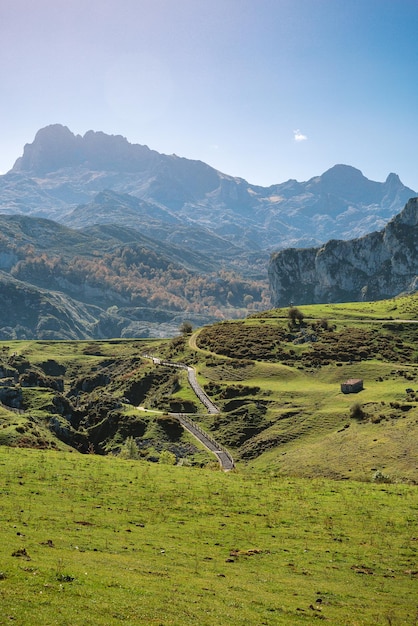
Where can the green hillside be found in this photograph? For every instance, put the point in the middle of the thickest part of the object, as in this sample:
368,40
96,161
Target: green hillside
302,424
277,380
89,540
144,529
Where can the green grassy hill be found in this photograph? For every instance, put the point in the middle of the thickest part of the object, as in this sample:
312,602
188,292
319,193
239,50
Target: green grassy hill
287,380
110,537
276,380
89,540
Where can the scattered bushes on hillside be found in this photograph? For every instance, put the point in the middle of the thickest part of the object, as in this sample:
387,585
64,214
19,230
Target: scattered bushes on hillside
234,391
356,344
227,392
271,342
243,341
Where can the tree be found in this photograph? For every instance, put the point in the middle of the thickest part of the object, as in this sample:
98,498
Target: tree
295,315
186,328
129,449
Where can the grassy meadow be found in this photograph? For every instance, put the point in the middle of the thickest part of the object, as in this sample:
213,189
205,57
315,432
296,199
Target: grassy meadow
317,522
278,387
90,540
289,415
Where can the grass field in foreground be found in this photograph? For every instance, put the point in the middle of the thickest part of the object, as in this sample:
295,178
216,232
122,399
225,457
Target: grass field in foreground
90,540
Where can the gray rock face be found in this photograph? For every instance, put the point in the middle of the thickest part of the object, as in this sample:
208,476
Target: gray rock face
55,147
11,397
379,265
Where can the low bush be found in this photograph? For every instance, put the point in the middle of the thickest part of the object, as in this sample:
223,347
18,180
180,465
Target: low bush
357,412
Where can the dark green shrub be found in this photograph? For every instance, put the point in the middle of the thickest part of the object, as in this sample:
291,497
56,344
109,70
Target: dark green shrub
357,411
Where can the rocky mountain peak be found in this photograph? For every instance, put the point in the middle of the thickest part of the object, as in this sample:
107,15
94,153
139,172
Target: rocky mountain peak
56,147
343,174
345,181
393,179
60,171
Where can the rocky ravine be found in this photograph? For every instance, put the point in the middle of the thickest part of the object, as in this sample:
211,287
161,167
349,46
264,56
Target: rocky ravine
379,265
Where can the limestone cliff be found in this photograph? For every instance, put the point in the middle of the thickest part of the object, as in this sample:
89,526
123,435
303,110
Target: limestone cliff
379,265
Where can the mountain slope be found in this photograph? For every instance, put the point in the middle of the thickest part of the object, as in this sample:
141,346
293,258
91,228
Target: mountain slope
157,238
60,171
109,207
28,312
379,265
114,280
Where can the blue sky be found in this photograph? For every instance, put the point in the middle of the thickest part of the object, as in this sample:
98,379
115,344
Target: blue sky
263,89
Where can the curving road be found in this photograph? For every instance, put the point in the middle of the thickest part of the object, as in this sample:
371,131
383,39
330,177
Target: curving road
223,456
203,397
225,459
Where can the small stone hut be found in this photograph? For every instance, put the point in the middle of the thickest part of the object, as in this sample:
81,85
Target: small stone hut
352,385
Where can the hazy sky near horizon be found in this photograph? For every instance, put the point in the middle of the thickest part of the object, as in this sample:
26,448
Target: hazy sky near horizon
262,89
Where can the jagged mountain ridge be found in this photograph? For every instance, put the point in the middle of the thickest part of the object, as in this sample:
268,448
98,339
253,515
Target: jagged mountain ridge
59,172
379,265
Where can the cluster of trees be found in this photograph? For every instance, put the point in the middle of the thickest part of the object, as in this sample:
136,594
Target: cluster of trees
138,276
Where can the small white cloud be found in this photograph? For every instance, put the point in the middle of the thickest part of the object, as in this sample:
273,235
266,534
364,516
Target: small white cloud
298,136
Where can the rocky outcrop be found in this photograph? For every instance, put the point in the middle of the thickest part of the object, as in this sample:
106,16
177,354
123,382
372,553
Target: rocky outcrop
11,397
379,265
35,378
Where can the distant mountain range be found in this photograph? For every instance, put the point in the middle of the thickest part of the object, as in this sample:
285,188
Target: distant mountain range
61,172
103,238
